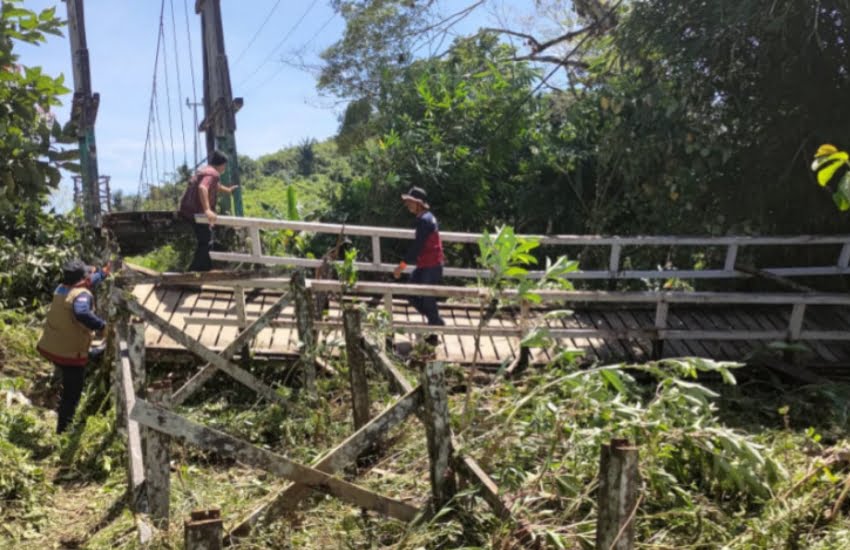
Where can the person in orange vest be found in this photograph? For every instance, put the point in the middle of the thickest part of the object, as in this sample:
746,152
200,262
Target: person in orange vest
68,333
200,198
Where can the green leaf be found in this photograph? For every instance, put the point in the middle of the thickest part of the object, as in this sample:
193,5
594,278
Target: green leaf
841,201
828,170
613,379
843,190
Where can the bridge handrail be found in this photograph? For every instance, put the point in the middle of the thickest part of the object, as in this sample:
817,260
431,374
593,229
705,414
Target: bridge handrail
793,330
616,244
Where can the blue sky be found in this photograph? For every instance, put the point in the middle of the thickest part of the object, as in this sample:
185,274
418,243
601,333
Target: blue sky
282,105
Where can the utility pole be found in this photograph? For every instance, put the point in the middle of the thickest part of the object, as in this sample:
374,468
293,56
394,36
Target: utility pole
194,107
84,112
219,105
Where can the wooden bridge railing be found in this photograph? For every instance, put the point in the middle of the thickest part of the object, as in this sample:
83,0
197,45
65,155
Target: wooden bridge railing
616,246
797,304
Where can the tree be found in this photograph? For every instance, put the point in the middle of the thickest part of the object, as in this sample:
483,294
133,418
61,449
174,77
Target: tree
29,134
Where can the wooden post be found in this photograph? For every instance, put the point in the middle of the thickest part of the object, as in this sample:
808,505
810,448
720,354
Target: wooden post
356,367
618,487
136,343
661,311
304,311
158,459
203,530
438,431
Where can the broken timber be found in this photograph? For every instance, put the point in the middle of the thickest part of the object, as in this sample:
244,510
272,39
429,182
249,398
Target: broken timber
466,466
203,530
198,349
137,498
618,502
227,353
167,422
344,454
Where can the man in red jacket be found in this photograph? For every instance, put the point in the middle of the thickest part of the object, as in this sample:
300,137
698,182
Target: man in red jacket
426,253
200,198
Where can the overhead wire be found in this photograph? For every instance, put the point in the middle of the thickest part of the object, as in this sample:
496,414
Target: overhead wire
301,48
266,20
282,42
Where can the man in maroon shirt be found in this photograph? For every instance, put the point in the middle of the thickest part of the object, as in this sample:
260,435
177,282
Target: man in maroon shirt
426,253
200,198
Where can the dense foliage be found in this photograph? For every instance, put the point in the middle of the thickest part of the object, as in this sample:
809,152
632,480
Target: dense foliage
28,133
693,118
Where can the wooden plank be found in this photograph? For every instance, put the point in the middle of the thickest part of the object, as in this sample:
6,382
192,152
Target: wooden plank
190,305
618,346
135,458
714,349
488,351
462,349
243,339
566,240
634,350
598,346
200,436
195,347
714,321
691,348
642,349
335,460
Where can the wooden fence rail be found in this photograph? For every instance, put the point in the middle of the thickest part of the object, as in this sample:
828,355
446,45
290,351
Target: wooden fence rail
615,245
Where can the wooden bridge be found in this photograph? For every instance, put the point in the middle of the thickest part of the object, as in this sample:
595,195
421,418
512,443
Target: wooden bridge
605,325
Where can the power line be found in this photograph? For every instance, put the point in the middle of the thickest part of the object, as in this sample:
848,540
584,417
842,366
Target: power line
282,42
257,33
300,49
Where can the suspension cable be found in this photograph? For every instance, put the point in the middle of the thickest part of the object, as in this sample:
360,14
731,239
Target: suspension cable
179,84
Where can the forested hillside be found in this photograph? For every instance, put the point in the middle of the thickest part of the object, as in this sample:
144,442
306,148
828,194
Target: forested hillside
588,117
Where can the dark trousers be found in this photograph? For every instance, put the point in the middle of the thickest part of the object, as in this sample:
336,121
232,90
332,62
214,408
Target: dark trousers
427,305
72,388
203,243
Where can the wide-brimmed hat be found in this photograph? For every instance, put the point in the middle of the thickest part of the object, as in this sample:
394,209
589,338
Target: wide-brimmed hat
416,194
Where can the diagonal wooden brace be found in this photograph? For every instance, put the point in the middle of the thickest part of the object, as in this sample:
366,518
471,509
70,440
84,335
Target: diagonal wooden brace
344,454
198,349
167,422
207,372
465,465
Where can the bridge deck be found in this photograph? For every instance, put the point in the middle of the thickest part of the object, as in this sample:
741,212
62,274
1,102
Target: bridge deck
176,305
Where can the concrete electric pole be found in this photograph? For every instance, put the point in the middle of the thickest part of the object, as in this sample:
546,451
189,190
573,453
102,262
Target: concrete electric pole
84,112
219,105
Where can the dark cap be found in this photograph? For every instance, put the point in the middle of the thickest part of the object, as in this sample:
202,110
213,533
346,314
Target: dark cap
74,271
416,194
217,158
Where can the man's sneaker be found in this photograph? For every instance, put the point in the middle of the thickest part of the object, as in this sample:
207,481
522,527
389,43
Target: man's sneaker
433,340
